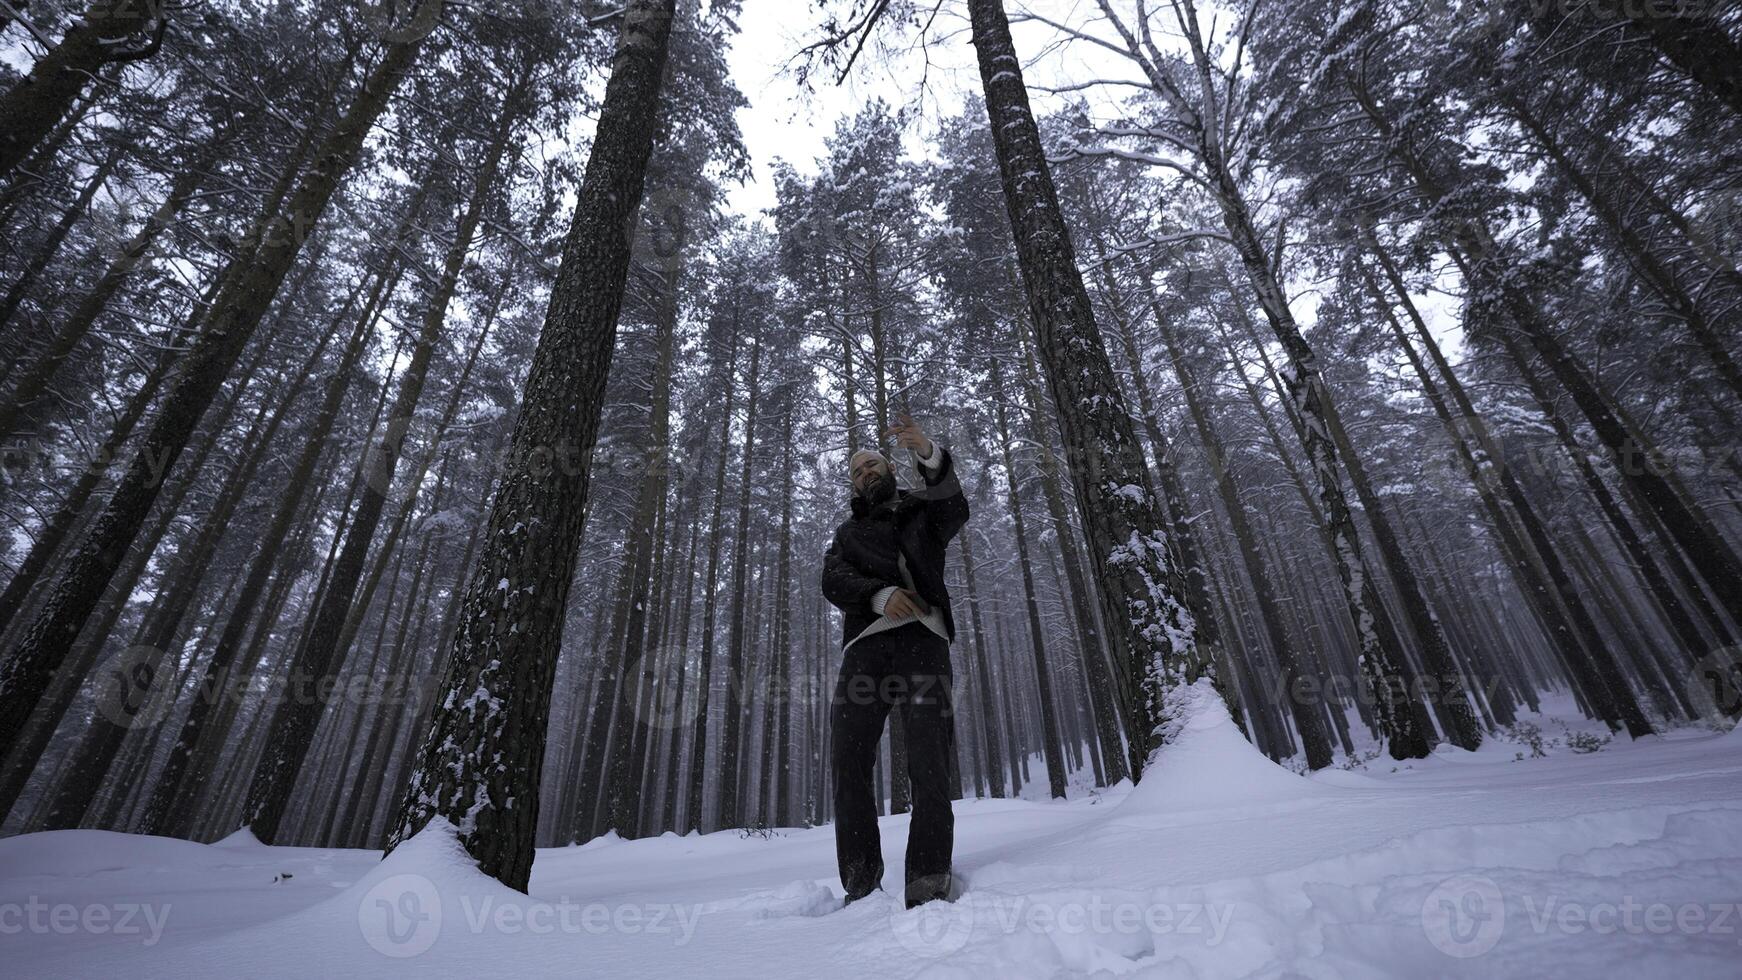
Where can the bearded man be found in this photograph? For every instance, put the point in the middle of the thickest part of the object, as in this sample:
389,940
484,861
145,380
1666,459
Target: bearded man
885,572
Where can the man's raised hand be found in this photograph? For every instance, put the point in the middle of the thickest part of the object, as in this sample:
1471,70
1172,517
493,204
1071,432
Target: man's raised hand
909,435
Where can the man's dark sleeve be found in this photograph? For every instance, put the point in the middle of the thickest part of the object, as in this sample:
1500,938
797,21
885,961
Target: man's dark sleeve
946,507
845,585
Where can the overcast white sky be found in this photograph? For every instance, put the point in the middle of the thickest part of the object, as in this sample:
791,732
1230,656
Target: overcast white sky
785,121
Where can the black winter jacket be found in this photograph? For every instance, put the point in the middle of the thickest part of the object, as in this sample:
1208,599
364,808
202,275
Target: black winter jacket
861,561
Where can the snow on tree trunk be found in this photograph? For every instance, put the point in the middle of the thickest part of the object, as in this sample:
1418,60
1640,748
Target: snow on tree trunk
107,30
1140,588
482,759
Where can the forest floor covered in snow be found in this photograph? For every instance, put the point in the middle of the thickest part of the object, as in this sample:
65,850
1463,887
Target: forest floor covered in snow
1621,862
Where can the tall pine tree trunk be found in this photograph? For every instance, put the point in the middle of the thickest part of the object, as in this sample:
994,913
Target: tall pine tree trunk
623,772
697,777
295,721
107,31
232,320
737,677
482,759
1049,730
1142,591
1103,694
1312,734
1697,44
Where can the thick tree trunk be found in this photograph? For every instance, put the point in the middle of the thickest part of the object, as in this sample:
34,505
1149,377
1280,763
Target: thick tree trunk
407,722
1142,591
1189,556
1098,677
482,758
1698,45
107,31
29,174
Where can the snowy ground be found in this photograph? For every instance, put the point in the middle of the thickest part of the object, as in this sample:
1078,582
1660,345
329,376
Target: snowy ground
1625,862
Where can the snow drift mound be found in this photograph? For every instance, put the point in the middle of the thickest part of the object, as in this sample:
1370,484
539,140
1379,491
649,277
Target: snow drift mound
428,894
242,837
1209,764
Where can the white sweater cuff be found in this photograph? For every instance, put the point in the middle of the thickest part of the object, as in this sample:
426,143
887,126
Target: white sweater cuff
881,598
933,461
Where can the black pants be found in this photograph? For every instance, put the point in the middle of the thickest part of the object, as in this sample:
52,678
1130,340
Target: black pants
907,668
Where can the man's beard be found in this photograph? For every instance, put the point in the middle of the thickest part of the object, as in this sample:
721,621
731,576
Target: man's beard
881,490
